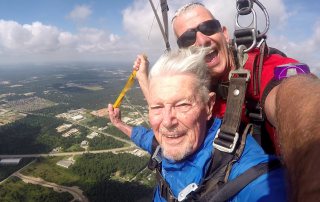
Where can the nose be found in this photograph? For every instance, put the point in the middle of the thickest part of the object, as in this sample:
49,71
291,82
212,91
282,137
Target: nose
169,118
202,40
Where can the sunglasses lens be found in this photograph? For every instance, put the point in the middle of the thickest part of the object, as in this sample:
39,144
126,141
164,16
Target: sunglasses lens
207,28
187,39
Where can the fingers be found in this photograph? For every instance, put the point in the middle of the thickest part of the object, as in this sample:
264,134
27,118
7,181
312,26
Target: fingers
141,62
136,64
110,111
114,114
110,108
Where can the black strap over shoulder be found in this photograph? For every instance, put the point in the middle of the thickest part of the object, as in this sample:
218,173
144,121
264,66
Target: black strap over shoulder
231,188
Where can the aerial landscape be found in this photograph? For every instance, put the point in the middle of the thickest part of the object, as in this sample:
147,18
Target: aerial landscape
57,143
61,64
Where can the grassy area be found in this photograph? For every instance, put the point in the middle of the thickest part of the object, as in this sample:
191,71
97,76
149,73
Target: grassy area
112,130
47,169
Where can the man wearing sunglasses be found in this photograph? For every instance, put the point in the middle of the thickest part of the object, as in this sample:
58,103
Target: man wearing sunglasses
194,25
283,94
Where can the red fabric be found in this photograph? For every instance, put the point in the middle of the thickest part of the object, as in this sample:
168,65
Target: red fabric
269,64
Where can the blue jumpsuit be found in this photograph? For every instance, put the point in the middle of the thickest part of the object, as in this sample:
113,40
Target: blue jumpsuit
268,187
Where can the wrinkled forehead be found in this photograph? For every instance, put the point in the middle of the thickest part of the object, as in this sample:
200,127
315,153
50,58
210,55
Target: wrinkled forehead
171,82
190,18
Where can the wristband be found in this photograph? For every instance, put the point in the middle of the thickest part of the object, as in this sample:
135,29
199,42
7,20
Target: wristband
287,70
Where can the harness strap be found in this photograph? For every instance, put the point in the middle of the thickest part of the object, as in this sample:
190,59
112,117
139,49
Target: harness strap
262,49
155,164
231,120
220,169
231,188
165,190
227,137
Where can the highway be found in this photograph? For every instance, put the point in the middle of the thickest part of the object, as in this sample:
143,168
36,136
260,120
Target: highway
66,153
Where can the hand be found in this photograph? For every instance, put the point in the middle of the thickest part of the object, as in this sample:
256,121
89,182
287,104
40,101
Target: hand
114,115
115,118
141,65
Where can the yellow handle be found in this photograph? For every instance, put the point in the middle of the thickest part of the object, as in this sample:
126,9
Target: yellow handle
128,85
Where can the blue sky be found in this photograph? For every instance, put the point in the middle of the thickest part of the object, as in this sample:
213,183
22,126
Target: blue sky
116,31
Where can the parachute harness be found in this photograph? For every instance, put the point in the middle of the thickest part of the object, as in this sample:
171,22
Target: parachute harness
245,40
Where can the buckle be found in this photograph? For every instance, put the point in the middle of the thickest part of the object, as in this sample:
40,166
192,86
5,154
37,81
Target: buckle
187,190
240,73
155,160
225,142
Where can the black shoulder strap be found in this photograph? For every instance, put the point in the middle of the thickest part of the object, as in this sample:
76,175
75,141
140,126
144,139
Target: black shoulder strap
220,169
231,188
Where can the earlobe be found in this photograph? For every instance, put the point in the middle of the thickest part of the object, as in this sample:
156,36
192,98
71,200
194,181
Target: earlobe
225,33
210,104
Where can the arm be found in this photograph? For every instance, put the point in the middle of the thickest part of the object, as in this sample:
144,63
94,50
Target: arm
115,118
141,136
297,114
295,88
141,64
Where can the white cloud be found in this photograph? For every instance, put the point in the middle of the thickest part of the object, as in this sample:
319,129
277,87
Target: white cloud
306,51
80,13
142,35
47,42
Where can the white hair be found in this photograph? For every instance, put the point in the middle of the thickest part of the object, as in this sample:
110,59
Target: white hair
185,61
185,8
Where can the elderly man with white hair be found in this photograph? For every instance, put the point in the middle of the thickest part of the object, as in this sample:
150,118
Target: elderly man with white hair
188,165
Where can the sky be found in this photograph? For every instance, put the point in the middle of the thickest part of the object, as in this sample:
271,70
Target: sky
43,31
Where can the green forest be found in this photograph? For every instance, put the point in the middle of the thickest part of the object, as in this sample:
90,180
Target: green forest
96,173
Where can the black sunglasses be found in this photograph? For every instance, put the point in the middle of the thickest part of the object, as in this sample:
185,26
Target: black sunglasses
207,28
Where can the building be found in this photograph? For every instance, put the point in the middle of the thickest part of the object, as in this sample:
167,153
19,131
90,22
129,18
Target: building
13,161
63,127
70,132
138,152
101,113
92,135
84,144
77,117
126,119
65,163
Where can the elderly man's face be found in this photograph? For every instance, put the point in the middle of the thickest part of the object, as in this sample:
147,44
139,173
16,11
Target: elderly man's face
177,114
217,60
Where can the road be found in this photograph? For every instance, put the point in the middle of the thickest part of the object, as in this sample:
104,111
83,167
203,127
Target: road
74,191
65,153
